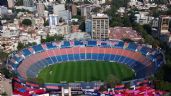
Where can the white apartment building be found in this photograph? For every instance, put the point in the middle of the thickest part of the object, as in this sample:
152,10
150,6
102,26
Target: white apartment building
100,26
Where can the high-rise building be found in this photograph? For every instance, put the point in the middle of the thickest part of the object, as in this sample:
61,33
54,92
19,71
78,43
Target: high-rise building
28,3
86,10
88,26
98,1
65,15
53,20
100,26
10,3
164,33
50,9
61,12
3,11
164,24
74,9
58,8
40,8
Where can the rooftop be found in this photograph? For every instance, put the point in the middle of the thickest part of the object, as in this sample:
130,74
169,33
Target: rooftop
124,32
99,15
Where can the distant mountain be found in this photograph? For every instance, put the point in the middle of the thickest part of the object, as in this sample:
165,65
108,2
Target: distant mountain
3,3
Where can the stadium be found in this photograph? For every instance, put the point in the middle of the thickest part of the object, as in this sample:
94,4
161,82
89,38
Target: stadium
137,60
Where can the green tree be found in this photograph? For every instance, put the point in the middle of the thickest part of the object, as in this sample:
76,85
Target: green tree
27,22
87,2
127,40
7,73
20,10
4,94
96,9
82,26
164,71
52,38
147,28
61,20
126,21
20,46
46,23
161,1
3,56
19,2
78,17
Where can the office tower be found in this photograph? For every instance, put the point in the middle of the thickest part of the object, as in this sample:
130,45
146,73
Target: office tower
28,3
10,3
40,8
53,20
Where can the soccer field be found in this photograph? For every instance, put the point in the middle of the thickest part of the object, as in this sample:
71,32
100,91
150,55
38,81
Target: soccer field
84,71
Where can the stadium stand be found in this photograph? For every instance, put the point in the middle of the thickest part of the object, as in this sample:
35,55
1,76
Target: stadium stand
94,50
29,61
37,48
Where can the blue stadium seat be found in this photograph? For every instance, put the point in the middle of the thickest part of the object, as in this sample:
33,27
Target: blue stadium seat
87,85
41,64
112,57
130,62
152,57
137,66
44,62
88,56
59,58
10,62
50,45
132,46
126,60
106,57
119,44
116,58
121,59
13,65
144,50
140,74
64,58
65,44
100,57
78,43
77,57
49,60
70,57
82,56
18,59
94,56
37,48
54,59
91,43
104,44
26,52
32,69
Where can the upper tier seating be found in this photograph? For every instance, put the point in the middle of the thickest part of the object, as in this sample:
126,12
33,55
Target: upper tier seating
37,48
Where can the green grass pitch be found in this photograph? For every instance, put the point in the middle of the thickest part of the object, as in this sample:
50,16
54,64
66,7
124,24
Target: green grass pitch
84,71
